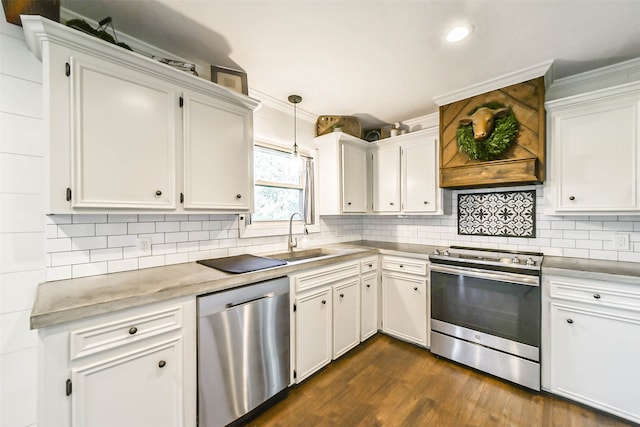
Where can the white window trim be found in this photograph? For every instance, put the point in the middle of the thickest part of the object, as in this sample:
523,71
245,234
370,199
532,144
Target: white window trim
281,228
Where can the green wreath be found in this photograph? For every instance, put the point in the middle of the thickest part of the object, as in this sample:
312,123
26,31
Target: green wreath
504,133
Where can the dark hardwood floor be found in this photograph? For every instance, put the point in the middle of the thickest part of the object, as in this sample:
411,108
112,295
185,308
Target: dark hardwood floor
386,382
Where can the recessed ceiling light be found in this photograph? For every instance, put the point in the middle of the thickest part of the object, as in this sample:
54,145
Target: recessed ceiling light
458,33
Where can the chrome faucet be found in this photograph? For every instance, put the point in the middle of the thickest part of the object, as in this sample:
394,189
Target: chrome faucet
293,243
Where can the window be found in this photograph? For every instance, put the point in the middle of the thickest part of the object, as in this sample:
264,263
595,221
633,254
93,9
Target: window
281,186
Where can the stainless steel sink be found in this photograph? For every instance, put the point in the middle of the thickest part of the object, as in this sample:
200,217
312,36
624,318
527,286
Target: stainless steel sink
304,254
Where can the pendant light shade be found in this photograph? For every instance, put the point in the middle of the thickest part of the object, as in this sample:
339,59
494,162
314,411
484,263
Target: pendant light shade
295,100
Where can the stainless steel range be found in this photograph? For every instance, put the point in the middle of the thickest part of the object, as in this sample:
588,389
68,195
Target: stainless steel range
485,311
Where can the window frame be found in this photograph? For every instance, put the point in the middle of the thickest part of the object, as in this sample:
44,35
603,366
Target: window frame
280,227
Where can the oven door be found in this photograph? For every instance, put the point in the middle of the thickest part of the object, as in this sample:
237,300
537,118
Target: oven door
504,307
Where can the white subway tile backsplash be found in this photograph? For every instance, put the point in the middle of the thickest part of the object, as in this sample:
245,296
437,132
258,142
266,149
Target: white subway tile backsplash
58,245
89,219
176,258
99,255
176,237
191,226
618,225
141,227
168,227
167,248
151,218
195,236
77,230
91,269
69,258
122,265
80,243
111,229
151,261
122,218
121,240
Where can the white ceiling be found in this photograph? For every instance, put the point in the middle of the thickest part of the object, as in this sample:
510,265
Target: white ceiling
382,61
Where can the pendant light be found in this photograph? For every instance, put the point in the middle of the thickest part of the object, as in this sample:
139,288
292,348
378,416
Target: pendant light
295,100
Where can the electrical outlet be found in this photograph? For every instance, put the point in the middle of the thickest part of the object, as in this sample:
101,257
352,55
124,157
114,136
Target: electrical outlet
621,241
144,245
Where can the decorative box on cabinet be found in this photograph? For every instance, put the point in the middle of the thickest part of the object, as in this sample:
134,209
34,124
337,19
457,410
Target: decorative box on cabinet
405,174
590,350
122,138
594,143
343,174
405,296
133,367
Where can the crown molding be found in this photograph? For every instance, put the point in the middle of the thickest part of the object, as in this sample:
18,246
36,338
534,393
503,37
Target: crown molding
423,122
497,83
601,78
282,106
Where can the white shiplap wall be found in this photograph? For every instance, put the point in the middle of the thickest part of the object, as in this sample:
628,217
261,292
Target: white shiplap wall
22,239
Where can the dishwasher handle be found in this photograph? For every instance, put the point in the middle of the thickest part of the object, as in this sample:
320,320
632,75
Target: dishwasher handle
236,304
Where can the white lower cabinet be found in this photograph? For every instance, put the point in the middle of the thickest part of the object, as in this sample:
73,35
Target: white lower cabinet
136,367
313,319
404,299
346,316
326,319
593,343
368,306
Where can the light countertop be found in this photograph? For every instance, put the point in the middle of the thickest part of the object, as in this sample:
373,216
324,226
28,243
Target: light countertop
67,300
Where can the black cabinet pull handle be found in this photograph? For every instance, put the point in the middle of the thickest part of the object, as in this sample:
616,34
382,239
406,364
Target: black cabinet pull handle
391,203
426,203
133,330
162,364
324,301
401,266
596,296
341,295
569,321
349,203
572,198
238,196
415,289
158,193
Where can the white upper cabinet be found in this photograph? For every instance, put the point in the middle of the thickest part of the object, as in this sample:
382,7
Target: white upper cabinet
123,137
594,141
127,133
386,178
218,163
405,174
343,174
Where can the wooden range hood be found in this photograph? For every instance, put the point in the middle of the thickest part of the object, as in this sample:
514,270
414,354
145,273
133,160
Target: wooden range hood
524,161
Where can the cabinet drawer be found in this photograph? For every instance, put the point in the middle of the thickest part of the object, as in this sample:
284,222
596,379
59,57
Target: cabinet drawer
323,276
405,265
368,265
600,293
124,330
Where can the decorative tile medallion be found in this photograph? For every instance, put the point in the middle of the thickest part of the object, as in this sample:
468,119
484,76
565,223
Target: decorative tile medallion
504,214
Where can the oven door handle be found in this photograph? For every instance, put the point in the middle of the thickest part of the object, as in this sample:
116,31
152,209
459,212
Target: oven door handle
501,276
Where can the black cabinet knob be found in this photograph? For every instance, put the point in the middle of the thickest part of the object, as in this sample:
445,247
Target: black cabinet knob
238,196
341,295
426,203
401,266
569,321
370,265
368,286
415,289
133,330
572,198
162,364
349,203
324,301
391,203
596,296
158,193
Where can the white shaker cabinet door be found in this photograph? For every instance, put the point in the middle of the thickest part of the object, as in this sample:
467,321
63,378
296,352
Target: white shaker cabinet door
369,306
596,149
218,154
346,316
386,179
594,358
142,388
404,307
124,137
313,332
420,175
354,179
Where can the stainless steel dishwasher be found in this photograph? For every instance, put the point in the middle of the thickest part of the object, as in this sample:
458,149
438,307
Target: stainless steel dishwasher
243,351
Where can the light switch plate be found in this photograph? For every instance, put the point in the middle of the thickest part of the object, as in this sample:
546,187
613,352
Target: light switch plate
621,241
